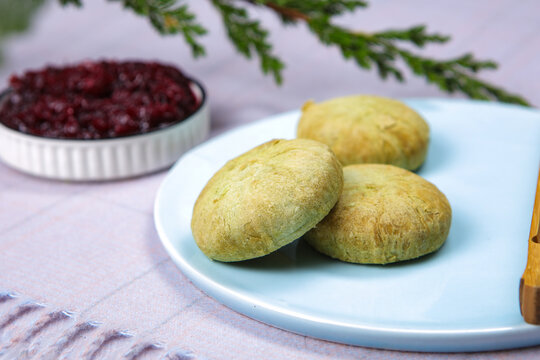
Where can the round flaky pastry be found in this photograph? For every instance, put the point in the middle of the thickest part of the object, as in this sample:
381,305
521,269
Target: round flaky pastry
385,214
265,199
367,129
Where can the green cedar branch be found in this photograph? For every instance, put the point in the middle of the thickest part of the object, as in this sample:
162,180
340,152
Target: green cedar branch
249,37
310,8
380,50
76,3
167,18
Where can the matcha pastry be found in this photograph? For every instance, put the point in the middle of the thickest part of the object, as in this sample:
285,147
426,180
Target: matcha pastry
367,129
385,214
265,199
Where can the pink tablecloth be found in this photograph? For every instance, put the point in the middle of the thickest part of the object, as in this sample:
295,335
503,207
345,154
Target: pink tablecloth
82,271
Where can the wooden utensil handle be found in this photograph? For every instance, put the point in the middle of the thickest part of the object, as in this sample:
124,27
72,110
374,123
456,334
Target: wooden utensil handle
529,296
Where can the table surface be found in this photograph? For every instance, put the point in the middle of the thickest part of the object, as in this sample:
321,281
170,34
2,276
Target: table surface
82,271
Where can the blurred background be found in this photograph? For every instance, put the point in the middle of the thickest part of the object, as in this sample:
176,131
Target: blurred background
501,30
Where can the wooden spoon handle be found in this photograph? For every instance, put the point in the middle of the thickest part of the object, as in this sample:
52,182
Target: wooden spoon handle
529,292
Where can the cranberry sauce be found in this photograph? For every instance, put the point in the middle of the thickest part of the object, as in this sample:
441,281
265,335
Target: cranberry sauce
97,100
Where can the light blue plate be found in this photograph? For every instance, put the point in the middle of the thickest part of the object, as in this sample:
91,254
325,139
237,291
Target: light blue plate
483,156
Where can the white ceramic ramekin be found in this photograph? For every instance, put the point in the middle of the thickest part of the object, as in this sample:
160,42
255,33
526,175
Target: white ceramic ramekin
105,159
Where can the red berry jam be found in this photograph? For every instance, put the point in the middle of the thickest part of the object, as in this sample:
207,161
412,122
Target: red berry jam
97,100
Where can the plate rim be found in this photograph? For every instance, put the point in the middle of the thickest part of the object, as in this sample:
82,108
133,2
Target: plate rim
440,340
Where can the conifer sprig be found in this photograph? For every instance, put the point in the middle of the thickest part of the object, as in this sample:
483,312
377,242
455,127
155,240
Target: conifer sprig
249,37
167,17
384,50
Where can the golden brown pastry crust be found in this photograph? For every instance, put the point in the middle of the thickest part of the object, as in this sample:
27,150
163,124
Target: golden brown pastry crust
265,199
367,129
385,214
